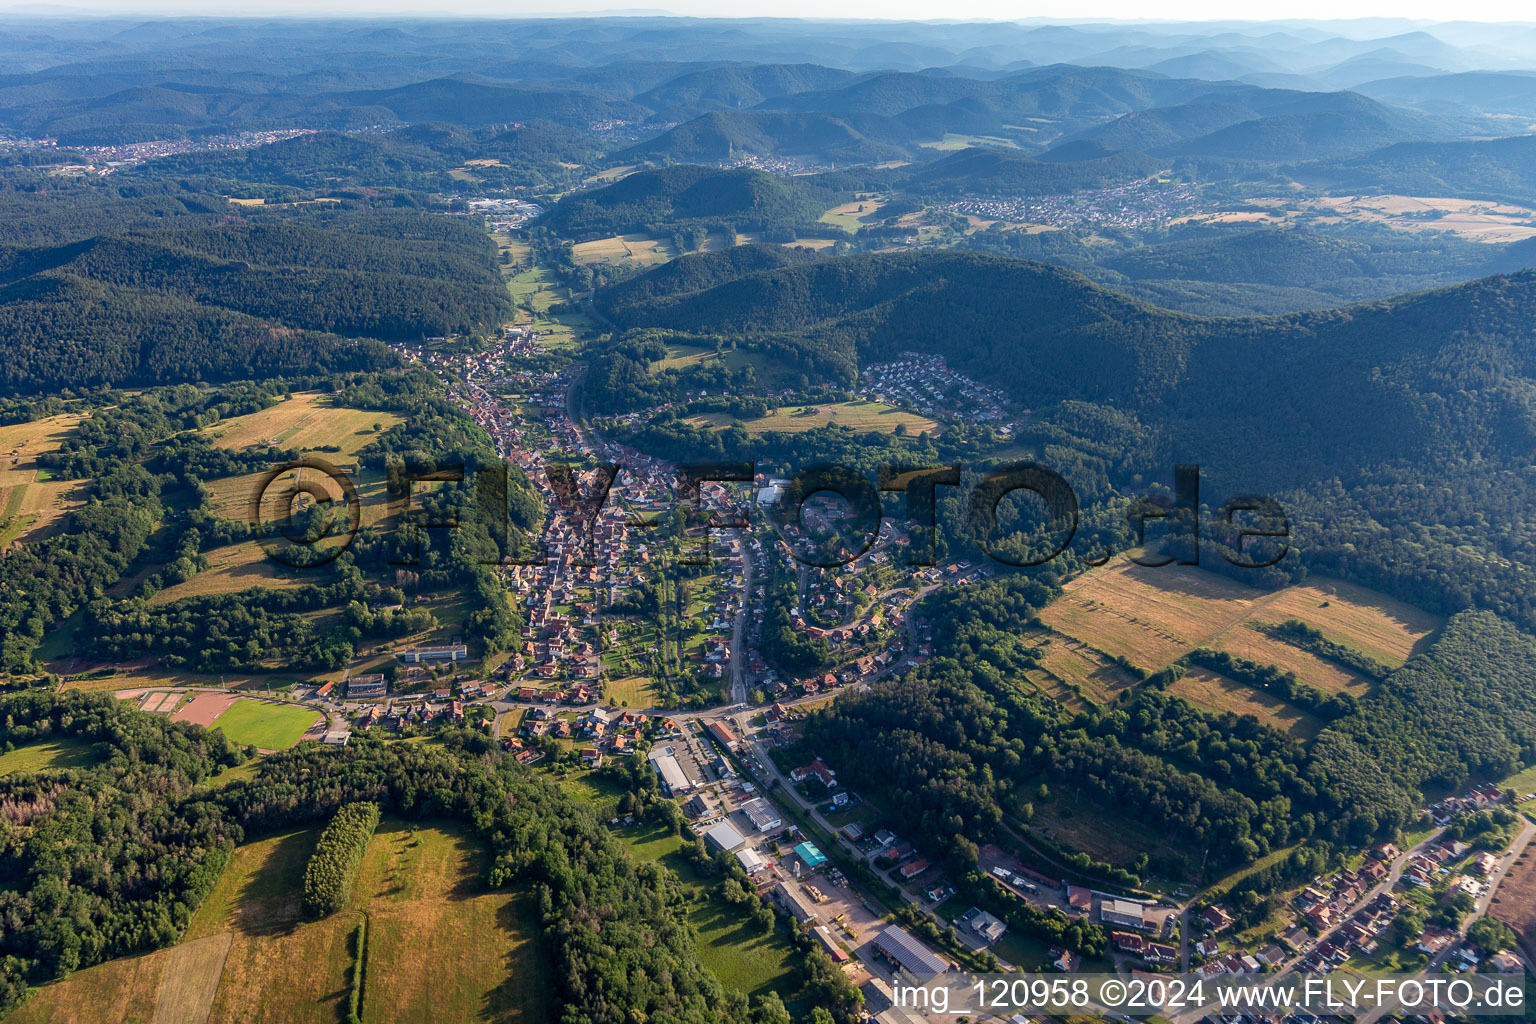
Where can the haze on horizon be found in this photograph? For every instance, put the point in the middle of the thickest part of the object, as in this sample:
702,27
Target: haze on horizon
1405,15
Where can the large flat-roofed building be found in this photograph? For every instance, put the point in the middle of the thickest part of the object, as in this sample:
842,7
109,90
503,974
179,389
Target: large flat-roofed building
447,652
672,775
725,837
750,860
1125,913
910,954
371,685
762,816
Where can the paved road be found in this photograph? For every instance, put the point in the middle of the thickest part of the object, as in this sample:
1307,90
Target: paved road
739,632
1506,861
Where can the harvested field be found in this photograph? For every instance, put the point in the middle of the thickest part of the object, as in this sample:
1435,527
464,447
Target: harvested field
307,421
204,708
1375,625
233,568
1150,617
860,415
116,992
1153,617
192,972
233,496
1218,693
852,216
1309,668
624,250
1515,901
32,505
1077,664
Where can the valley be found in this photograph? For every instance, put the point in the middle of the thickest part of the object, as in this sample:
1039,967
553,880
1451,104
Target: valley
629,519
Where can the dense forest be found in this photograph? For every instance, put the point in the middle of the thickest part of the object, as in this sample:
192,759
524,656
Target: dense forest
684,197
267,294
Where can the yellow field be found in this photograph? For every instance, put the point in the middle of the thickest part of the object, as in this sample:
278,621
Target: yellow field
1477,220
794,419
951,142
1077,664
1371,623
1152,617
1309,668
234,568
116,992
306,422
191,979
231,497
679,356
1217,692
625,250
31,508
439,948
854,215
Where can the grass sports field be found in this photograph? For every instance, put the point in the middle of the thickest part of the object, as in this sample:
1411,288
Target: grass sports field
42,755
863,416
265,726
440,949
1153,617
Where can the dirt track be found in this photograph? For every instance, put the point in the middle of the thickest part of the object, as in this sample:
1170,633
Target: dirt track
204,708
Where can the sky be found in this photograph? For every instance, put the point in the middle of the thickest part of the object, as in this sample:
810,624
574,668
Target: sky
952,10
922,10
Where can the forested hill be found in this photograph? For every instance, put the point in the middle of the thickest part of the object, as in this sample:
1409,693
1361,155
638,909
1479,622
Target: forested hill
1350,386
1358,417
1491,168
267,296
659,201
723,134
